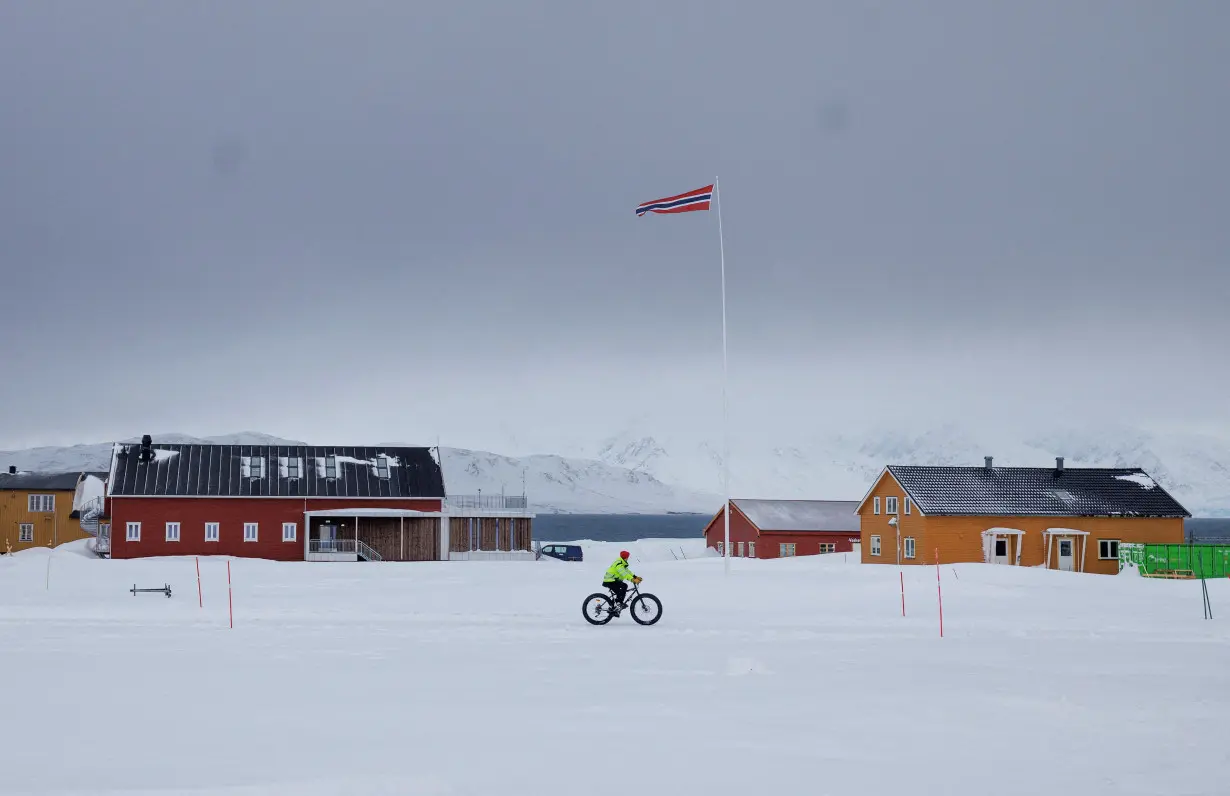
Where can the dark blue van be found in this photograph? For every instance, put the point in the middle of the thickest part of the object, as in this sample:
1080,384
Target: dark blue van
564,552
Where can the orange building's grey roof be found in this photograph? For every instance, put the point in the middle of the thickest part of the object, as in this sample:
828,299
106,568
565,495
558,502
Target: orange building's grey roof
1036,491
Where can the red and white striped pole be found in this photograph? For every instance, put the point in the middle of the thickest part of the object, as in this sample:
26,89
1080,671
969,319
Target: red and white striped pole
199,596
939,591
230,603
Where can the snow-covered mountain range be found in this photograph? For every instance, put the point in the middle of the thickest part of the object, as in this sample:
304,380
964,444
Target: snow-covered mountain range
1193,468
553,483
637,472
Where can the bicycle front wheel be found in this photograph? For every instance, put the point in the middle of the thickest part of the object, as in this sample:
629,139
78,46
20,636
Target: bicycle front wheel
598,609
646,609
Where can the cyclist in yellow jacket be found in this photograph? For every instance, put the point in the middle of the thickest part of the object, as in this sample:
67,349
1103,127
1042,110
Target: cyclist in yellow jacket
615,577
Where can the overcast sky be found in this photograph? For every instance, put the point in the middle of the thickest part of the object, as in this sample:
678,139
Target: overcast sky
372,221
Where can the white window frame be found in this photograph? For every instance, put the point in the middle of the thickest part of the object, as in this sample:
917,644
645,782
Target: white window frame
382,466
1108,543
740,549
132,532
331,466
721,548
828,547
290,467
908,505
173,531
911,547
751,549
216,527
890,505
293,529
40,504
875,544
786,550
25,532
876,504
255,528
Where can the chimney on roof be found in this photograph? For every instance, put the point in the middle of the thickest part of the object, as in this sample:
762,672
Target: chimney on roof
987,463
1058,465
12,469
147,449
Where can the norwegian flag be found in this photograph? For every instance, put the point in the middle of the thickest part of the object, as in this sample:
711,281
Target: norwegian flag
683,203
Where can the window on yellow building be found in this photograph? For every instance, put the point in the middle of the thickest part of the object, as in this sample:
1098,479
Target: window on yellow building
41,504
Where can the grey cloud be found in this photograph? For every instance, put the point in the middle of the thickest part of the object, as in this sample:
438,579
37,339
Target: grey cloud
296,194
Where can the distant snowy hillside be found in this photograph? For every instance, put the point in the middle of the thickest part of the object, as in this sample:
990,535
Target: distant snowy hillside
553,483
1195,469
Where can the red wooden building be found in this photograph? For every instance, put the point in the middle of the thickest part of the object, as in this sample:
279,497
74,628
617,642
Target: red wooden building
296,503
783,528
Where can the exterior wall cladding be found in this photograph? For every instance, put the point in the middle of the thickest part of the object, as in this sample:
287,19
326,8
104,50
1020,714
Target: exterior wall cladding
231,514
768,543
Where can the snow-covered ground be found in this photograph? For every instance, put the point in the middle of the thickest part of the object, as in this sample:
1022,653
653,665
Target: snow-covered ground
788,677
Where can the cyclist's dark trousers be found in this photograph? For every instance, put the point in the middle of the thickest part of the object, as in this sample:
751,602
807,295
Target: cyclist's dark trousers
619,587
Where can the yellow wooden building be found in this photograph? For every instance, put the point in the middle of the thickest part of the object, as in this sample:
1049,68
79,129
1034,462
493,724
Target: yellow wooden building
1067,518
36,510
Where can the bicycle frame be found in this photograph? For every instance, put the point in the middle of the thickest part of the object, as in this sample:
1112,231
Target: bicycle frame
633,591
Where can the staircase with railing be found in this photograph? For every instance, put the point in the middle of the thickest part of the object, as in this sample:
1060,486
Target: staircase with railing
343,547
90,514
366,552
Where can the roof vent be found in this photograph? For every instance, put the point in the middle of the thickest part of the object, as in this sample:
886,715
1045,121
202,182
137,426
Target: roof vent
987,463
1058,464
147,450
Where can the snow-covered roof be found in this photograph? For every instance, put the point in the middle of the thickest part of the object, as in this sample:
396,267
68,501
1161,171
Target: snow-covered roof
1036,491
800,515
370,512
49,482
1140,479
194,470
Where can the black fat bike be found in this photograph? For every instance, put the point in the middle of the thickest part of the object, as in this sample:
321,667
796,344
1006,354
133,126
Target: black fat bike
600,608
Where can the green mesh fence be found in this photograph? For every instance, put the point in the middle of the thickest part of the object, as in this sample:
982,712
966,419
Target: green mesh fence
1202,560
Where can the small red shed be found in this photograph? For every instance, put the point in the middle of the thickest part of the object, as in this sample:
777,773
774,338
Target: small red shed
783,528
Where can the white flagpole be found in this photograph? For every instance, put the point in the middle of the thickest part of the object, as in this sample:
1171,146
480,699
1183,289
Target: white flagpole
725,397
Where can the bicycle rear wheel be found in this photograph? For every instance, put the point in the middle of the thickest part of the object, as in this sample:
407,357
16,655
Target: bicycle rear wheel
598,609
646,609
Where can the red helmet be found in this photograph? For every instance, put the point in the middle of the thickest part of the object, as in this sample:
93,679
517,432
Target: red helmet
623,554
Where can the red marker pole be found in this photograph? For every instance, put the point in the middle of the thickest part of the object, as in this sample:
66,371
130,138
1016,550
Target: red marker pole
902,593
230,603
939,592
199,596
